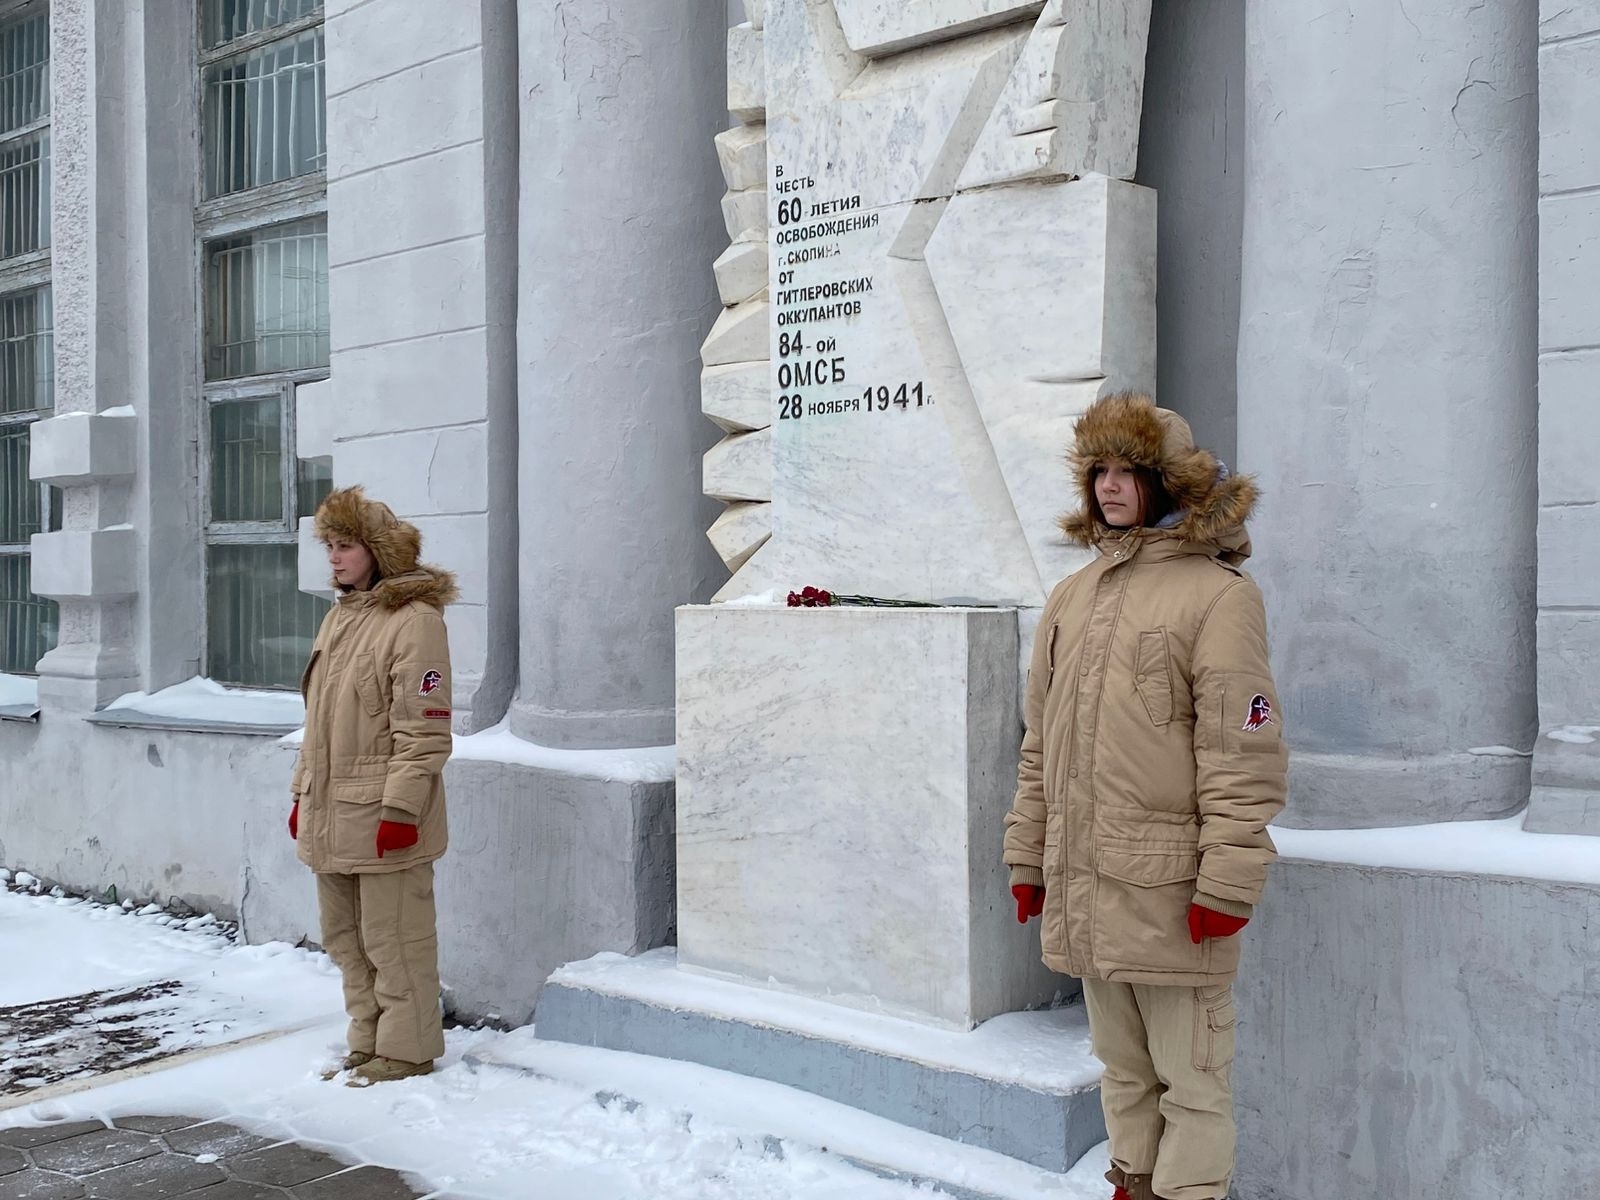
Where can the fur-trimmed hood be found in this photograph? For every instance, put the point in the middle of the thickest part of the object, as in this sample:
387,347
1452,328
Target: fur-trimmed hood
1210,506
396,546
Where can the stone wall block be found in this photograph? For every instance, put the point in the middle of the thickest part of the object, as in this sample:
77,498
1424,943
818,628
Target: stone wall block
739,335
96,564
1569,647
406,204
737,396
742,153
882,27
739,467
424,473
315,420
1569,136
378,40
1569,558
747,73
435,107
1569,271
459,543
1073,102
740,531
1568,18
316,577
1569,428
756,10
410,385
77,449
741,271
745,214
432,290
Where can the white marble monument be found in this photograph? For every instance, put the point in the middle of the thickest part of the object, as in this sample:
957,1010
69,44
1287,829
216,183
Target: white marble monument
955,266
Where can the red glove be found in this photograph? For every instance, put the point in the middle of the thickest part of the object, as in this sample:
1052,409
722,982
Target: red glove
1208,923
395,835
1030,901
294,821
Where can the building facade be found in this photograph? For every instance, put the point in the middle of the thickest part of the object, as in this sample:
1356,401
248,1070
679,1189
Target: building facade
519,267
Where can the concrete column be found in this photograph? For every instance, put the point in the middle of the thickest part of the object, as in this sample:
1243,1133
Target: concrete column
619,222
1566,762
1386,398
89,566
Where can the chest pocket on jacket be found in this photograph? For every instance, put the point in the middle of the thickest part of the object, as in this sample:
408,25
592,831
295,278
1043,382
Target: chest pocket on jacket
1152,675
367,685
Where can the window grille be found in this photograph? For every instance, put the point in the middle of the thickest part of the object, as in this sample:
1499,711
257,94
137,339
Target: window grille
262,233
28,623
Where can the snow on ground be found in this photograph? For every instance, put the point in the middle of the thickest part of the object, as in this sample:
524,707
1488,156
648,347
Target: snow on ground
506,1116
1452,847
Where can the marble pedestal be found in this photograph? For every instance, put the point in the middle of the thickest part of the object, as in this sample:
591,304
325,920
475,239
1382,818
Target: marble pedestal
843,776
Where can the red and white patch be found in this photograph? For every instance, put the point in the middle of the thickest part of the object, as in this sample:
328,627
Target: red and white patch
431,683
436,714
1260,714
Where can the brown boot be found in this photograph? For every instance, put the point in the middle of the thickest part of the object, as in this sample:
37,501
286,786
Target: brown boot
387,1070
356,1058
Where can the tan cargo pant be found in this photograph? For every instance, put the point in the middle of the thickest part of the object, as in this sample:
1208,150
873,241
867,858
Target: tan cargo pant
1167,1089
381,931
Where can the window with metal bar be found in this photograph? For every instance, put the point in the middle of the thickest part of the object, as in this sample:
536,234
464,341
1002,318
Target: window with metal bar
28,623
263,241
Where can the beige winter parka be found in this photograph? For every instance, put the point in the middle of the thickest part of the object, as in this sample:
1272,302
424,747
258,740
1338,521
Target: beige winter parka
1154,758
377,693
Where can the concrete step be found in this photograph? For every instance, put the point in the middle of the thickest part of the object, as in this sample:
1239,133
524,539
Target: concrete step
1022,1085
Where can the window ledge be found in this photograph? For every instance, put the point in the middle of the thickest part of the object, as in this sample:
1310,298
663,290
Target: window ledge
133,718
200,706
19,698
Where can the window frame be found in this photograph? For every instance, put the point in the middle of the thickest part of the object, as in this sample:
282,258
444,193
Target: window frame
30,272
253,210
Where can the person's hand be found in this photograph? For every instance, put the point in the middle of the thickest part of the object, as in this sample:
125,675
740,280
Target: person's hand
1208,923
1030,901
395,835
294,821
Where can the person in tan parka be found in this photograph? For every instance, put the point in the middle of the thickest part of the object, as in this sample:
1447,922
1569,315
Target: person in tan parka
1152,764
369,808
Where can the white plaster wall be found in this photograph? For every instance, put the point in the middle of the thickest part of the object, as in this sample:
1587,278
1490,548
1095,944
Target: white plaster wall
1566,793
419,402
1386,398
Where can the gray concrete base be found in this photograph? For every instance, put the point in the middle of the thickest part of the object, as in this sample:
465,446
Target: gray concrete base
1566,783
887,1067
543,867
1416,1035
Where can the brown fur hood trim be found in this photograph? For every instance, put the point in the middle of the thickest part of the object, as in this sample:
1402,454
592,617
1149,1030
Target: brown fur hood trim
1211,504
396,545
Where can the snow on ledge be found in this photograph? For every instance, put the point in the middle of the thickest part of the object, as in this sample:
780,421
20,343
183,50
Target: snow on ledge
18,690
207,703
634,764
1452,847
1040,1049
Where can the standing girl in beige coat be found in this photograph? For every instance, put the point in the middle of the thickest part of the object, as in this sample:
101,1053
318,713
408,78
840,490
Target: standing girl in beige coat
1152,765
369,811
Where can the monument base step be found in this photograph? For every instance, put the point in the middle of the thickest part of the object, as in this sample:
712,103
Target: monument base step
1023,1085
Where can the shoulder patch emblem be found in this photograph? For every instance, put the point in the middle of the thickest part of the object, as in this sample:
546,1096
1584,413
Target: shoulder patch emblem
1260,714
431,683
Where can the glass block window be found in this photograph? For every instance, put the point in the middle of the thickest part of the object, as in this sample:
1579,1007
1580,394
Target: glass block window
267,300
264,117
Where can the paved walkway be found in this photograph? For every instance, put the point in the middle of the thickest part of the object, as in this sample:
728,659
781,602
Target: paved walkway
154,1158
